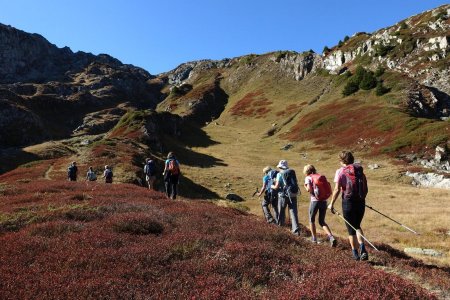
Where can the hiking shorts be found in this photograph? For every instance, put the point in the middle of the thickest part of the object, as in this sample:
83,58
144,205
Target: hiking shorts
353,211
318,206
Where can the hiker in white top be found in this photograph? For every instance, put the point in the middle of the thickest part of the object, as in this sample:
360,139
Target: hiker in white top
286,184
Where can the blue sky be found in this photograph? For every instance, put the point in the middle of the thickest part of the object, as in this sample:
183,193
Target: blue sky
159,35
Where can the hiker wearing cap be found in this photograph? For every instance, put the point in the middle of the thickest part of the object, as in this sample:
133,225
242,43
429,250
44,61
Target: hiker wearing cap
287,186
351,182
150,173
72,171
320,190
171,175
108,174
270,195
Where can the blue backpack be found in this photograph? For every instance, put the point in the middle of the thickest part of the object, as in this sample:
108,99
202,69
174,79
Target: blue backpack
272,176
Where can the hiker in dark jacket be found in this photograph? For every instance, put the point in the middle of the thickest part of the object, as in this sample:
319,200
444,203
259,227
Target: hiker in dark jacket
270,195
171,175
285,181
72,171
353,203
108,174
90,175
150,173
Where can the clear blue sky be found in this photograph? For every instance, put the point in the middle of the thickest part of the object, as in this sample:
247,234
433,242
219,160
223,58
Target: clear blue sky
158,35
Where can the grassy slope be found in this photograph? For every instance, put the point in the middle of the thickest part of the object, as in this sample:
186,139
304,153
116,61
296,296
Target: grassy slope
72,240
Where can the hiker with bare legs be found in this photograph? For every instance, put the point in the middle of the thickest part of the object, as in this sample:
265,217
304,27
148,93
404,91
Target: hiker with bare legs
171,175
320,190
72,171
270,195
150,173
108,174
351,182
90,175
287,186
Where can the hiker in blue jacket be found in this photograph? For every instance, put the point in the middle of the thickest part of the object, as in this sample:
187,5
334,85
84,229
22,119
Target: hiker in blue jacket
286,184
270,195
171,175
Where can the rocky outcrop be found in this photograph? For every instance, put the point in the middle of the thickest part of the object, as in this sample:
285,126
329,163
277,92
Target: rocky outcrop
55,88
185,71
298,65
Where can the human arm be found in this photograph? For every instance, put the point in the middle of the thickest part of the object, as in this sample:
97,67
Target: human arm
263,188
308,184
276,184
334,197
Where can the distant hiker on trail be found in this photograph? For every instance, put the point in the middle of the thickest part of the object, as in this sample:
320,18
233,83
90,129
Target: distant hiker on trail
90,175
320,190
72,171
108,174
270,195
287,186
150,173
171,175
351,181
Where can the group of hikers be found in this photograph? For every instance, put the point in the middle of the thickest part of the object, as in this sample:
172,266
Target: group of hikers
170,174
280,188
72,173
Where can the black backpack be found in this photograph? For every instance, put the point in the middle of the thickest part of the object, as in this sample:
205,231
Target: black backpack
108,174
290,183
72,171
149,168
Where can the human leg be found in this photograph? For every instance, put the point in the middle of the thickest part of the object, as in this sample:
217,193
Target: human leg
274,202
281,209
265,207
312,217
292,204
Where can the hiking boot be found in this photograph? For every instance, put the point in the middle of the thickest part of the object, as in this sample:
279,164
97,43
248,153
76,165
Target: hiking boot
355,255
313,240
364,256
333,242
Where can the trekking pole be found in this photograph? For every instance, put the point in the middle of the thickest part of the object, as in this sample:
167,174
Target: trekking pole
355,229
255,192
404,226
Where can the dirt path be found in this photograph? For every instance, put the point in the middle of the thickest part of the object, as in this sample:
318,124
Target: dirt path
47,173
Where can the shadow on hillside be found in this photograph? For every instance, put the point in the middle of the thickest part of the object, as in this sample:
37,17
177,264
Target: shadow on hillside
194,136
11,158
189,189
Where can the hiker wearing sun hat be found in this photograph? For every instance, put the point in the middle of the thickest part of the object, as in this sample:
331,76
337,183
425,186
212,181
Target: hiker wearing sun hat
286,184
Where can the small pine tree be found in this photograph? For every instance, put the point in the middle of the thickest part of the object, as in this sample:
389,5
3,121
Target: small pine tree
368,82
379,72
359,74
340,43
350,88
346,38
403,26
381,89
325,49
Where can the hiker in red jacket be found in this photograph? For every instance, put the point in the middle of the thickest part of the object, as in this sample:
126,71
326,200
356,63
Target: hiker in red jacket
351,181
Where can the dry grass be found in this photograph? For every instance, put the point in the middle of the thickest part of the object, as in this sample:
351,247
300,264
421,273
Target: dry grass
245,153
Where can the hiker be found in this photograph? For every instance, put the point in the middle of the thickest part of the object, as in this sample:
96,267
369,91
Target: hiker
287,186
150,173
270,195
108,174
72,171
351,182
90,175
320,190
171,175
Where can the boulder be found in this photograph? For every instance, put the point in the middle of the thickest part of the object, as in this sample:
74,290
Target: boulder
421,251
373,166
441,154
234,197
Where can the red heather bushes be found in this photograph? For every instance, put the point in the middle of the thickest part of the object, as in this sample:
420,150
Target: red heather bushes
129,243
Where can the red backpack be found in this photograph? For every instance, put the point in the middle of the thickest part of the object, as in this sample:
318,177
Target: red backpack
356,183
321,187
173,167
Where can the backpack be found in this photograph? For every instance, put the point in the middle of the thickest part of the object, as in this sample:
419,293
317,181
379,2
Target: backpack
92,176
356,183
272,175
290,183
173,167
108,175
149,168
321,187
72,171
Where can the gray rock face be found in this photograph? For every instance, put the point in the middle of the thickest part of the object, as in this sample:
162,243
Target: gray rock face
430,180
299,65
